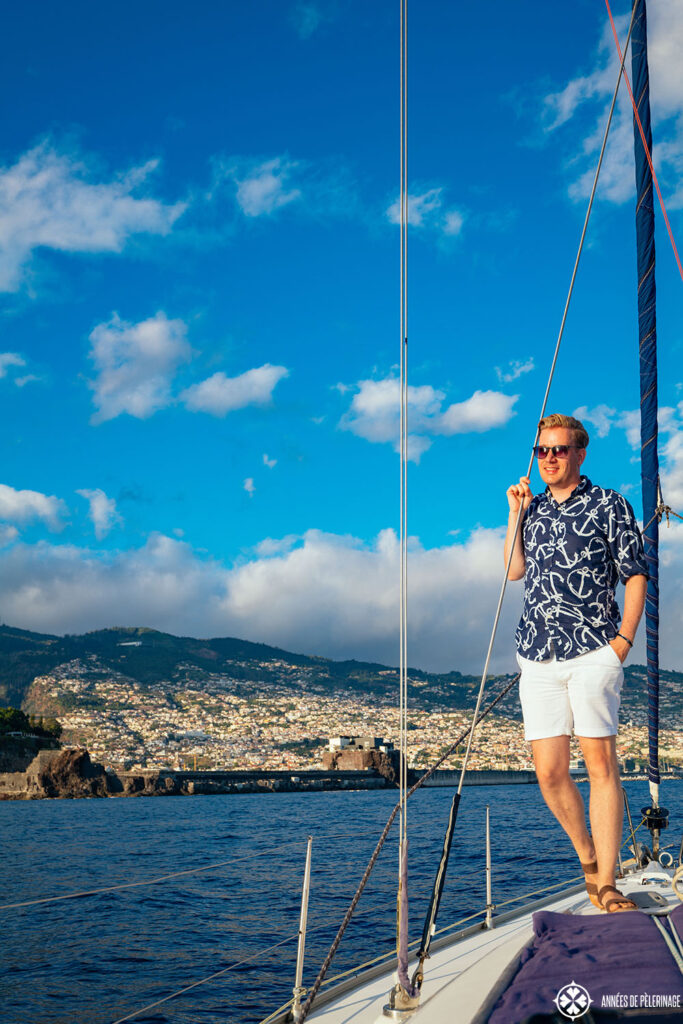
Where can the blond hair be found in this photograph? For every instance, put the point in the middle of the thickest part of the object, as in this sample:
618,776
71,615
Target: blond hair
557,419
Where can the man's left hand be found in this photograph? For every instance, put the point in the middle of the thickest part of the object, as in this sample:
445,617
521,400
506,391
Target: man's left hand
620,647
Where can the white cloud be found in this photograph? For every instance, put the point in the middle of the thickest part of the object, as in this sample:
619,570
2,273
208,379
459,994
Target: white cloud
135,365
103,511
515,368
270,463
374,413
419,208
617,181
671,457
265,187
483,411
8,359
219,395
630,423
453,222
307,17
27,506
249,486
53,200
294,593
29,378
317,594
670,442
602,417
261,187
270,546
426,210
8,534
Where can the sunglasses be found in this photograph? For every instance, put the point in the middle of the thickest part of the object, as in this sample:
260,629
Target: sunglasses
560,451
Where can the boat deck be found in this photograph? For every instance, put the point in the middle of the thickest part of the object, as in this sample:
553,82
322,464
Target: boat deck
468,971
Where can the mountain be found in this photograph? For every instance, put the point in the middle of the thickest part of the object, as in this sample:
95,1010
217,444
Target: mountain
150,658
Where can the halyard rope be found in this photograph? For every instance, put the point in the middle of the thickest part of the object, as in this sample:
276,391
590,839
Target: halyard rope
642,133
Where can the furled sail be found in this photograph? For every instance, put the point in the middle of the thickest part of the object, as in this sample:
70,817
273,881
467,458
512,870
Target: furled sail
647,340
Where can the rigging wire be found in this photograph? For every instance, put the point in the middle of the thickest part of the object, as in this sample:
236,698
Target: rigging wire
642,133
439,881
145,881
382,839
547,390
196,984
403,425
402,888
180,874
248,959
357,968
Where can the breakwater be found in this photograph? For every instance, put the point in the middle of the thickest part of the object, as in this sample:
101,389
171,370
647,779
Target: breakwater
71,774
189,782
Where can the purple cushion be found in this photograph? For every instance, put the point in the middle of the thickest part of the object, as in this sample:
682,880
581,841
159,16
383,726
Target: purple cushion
617,955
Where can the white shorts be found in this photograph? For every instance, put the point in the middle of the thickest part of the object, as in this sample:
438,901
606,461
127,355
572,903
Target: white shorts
582,692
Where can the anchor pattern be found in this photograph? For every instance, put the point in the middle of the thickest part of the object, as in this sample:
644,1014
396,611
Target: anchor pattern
576,552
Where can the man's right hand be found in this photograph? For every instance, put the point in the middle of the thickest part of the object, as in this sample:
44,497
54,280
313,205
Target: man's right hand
520,492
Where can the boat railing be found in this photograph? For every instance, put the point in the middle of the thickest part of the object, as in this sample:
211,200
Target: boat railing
469,924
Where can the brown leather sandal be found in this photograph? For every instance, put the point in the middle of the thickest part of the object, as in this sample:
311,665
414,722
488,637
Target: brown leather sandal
613,906
591,887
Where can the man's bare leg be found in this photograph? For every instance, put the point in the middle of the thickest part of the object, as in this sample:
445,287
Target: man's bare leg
606,802
551,758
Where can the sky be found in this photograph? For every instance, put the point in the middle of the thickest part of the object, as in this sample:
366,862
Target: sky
199,303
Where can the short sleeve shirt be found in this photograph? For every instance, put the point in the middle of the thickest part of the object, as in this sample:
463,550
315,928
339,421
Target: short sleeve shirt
576,551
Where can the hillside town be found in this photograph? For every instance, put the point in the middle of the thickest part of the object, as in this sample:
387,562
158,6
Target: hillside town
217,722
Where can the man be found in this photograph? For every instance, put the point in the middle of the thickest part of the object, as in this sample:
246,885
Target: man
576,541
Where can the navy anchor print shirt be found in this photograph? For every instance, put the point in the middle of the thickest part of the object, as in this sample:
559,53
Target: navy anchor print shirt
576,551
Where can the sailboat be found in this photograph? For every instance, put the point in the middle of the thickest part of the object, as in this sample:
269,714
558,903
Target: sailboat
559,957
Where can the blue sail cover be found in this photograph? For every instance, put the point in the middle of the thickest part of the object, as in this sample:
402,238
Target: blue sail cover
647,331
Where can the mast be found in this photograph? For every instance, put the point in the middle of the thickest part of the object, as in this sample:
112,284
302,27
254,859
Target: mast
647,341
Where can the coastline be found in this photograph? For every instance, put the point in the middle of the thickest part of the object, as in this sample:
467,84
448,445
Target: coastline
70,774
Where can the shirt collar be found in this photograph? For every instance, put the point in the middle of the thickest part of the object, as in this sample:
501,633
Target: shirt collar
583,485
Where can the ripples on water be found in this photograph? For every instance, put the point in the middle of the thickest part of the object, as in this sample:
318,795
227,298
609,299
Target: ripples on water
94,959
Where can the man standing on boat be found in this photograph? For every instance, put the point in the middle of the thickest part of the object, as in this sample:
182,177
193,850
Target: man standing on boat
575,543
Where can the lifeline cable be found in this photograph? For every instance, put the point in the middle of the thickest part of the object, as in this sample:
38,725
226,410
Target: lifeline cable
179,874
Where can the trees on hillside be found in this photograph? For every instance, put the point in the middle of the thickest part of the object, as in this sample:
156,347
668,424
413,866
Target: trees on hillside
14,720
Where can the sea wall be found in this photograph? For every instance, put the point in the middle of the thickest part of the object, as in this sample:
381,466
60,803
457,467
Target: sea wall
17,752
476,777
71,774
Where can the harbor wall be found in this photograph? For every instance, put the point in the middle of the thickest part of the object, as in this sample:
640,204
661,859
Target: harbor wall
477,777
70,773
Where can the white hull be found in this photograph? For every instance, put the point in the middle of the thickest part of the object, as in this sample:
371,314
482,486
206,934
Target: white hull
468,970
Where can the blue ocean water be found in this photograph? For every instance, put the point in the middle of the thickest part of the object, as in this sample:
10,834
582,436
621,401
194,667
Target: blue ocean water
97,958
